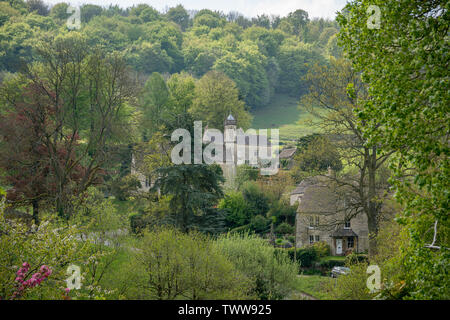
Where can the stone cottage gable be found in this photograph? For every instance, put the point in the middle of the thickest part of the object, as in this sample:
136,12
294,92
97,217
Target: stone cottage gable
321,216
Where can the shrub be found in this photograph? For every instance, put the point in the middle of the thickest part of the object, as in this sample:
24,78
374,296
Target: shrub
244,228
259,223
351,286
285,228
270,270
355,258
283,243
245,173
124,187
312,272
45,251
256,200
175,265
236,207
330,263
322,248
305,256
138,222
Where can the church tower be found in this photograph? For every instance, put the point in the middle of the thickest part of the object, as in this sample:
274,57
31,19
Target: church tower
230,129
230,152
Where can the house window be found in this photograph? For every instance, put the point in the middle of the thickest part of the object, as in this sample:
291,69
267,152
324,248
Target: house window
317,238
350,242
311,239
314,221
347,224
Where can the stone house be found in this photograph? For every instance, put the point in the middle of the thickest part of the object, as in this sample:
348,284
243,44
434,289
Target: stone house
323,215
287,157
238,148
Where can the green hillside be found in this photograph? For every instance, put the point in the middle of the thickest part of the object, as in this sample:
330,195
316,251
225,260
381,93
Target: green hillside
283,113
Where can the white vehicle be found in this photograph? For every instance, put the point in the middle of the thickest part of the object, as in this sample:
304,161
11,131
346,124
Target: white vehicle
337,271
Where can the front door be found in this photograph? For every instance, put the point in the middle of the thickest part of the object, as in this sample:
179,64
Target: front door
338,246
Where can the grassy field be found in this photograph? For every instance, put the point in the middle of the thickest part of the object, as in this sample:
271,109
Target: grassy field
316,286
283,113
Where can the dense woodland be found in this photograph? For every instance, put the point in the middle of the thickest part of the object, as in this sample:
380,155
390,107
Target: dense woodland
80,107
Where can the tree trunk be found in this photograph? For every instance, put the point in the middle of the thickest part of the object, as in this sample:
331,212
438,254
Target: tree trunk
35,204
372,221
372,206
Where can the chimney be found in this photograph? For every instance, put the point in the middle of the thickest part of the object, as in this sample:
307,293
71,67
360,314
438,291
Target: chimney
330,172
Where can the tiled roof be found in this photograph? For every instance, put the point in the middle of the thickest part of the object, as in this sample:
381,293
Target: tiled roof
287,153
318,196
344,233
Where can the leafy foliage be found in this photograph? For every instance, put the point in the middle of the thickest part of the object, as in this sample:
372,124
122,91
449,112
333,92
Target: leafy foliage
271,273
405,64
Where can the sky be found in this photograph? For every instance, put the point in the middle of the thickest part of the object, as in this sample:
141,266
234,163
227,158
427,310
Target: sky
249,8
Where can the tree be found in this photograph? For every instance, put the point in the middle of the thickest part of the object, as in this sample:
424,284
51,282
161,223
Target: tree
246,67
216,96
52,245
319,155
154,104
16,41
149,14
177,265
332,48
405,64
335,93
89,11
209,19
262,21
179,15
236,207
38,6
86,93
7,12
182,92
28,161
271,273
137,10
326,34
299,19
169,37
257,202
194,188
151,58
295,60
59,12
200,55
245,173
